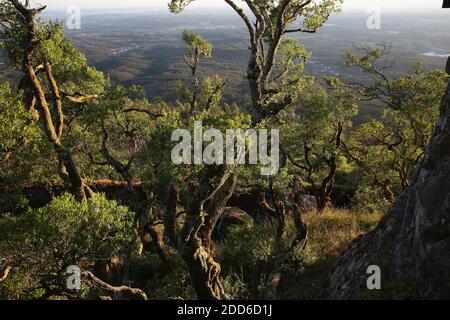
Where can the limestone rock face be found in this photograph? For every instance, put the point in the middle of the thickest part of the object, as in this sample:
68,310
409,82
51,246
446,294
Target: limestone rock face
412,243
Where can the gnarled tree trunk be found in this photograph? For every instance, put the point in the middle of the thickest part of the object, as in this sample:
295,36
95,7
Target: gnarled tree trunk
209,202
412,243
32,84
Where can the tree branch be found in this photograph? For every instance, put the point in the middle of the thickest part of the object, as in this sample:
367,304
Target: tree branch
5,274
123,292
56,99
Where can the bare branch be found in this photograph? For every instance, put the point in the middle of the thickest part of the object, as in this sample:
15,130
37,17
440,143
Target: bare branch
244,17
5,274
56,99
147,112
123,292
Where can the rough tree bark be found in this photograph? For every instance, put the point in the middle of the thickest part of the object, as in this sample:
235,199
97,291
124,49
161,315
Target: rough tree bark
172,209
28,96
69,170
145,221
193,64
209,202
266,35
323,193
411,245
276,276
277,211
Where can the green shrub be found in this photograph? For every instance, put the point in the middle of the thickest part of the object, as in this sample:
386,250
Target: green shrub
235,286
161,282
371,200
41,243
247,258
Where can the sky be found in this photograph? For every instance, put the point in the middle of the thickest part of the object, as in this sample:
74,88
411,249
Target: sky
349,5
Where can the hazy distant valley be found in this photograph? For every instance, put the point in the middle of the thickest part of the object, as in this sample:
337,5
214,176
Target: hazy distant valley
146,49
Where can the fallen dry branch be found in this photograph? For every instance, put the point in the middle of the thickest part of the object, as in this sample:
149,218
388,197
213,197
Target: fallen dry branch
5,274
122,292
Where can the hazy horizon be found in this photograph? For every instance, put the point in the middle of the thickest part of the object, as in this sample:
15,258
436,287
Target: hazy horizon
405,6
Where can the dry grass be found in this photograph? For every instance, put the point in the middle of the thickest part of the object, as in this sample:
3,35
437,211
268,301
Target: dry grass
331,231
329,235
248,254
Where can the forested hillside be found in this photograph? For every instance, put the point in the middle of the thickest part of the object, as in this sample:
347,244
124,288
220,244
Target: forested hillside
101,198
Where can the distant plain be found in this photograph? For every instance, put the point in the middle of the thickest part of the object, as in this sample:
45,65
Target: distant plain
145,48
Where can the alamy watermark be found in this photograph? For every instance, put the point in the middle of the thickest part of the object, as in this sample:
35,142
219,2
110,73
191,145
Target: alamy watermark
239,147
73,281
374,279
73,21
374,20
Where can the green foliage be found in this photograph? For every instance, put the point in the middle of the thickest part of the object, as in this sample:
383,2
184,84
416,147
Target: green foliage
249,245
41,243
15,122
293,55
153,275
367,61
209,95
315,13
21,143
319,137
388,150
196,45
70,66
176,6
371,199
159,139
235,287
313,135
254,248
74,77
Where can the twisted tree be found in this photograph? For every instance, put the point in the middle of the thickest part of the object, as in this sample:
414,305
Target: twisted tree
273,76
31,45
196,47
272,81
